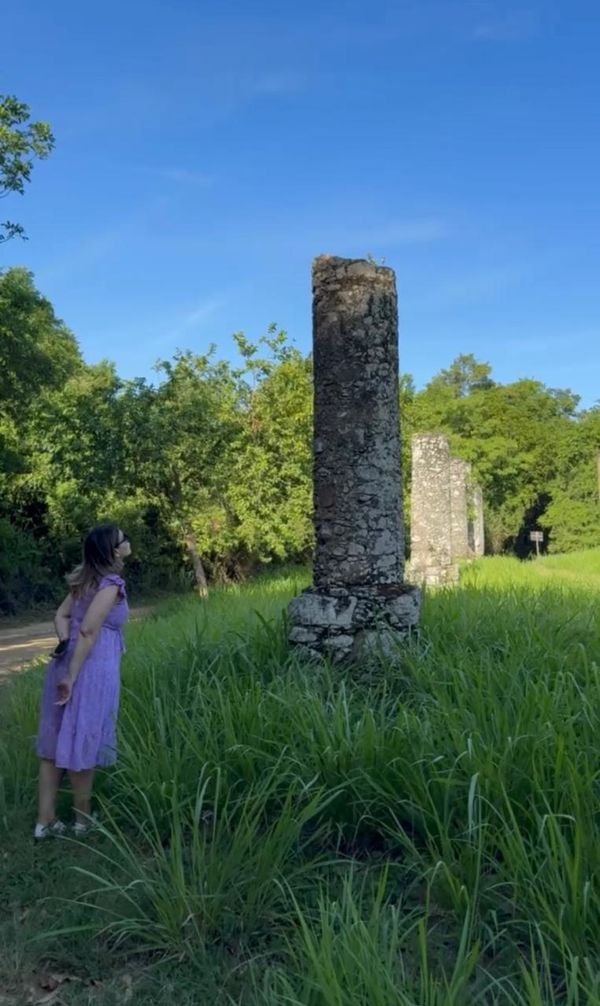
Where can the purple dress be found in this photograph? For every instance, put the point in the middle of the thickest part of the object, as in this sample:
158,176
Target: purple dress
82,734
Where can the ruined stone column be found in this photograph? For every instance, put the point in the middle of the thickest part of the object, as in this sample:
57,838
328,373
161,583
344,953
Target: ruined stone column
460,472
359,601
430,512
476,506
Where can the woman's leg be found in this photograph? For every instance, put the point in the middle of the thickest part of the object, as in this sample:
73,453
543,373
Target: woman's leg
82,783
49,781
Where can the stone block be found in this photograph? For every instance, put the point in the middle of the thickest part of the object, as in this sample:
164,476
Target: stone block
322,610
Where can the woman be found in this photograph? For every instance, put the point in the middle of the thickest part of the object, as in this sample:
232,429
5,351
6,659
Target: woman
80,699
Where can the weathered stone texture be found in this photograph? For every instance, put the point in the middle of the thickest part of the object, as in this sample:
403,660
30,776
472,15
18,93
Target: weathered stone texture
347,622
476,526
460,473
358,516
358,595
431,515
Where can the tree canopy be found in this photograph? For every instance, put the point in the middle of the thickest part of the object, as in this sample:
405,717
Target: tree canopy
20,142
209,466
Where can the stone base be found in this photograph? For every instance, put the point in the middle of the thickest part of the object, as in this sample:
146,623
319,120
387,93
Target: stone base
353,623
432,576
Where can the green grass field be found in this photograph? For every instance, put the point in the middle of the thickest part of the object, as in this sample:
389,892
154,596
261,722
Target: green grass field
418,835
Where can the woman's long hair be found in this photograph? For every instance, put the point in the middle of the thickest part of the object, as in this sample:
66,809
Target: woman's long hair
99,558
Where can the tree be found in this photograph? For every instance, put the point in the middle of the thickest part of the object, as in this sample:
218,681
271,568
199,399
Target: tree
270,490
20,142
196,420
510,433
235,455
37,349
209,469
573,515
464,375
37,352
75,450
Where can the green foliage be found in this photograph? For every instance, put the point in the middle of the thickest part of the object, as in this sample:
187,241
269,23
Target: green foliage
20,142
37,354
37,351
464,376
195,414
270,485
234,454
27,572
521,439
210,466
573,515
572,523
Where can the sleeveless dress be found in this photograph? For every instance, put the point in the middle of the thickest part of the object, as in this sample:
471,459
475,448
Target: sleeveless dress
82,734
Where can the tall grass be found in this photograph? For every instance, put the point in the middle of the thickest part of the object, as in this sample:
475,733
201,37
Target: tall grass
426,834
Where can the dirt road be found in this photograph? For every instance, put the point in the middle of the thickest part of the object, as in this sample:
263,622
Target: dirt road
21,645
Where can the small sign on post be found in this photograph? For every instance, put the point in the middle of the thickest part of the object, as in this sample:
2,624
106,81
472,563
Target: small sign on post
537,537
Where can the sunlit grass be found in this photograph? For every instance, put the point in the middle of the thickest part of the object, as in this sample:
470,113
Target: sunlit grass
425,833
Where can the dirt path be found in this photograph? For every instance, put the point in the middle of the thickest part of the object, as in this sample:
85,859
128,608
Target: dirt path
21,645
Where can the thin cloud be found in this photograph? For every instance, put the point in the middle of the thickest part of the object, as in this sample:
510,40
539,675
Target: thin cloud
404,232
182,325
275,82
161,332
546,343
513,27
470,289
201,313
91,249
481,286
307,234
185,175
192,322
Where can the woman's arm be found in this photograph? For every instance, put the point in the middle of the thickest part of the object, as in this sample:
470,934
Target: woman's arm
62,618
88,632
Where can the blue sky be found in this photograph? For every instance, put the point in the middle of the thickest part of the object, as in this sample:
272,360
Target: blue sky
207,151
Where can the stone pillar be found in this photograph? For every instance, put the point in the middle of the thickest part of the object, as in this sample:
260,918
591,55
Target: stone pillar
460,472
358,602
430,512
477,543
